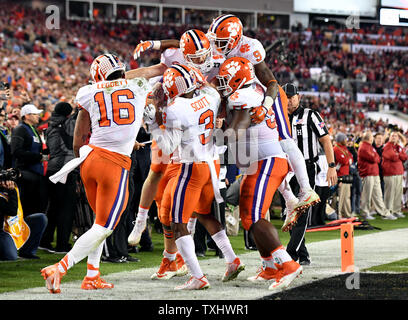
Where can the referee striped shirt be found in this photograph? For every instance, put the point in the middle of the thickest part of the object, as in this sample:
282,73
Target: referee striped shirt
307,127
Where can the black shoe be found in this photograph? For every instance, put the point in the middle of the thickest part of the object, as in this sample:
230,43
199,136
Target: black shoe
219,253
47,247
114,259
304,262
146,249
28,256
63,250
132,259
200,254
251,248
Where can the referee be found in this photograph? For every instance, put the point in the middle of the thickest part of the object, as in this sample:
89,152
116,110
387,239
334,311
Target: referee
310,133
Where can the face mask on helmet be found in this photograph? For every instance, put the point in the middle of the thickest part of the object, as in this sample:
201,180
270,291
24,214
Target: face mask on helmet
197,50
104,65
234,74
225,33
178,80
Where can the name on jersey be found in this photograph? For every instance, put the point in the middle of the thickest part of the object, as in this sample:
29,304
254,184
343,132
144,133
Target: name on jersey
111,84
200,104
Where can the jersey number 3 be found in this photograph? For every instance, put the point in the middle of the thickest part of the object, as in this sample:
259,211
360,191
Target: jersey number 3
206,118
123,112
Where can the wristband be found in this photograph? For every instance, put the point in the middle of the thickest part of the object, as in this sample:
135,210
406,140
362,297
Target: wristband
268,102
156,45
269,82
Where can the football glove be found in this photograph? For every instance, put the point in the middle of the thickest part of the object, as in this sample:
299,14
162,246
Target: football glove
149,114
258,114
144,46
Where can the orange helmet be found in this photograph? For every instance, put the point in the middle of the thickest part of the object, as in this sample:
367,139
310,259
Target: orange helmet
178,80
225,32
104,65
197,49
234,73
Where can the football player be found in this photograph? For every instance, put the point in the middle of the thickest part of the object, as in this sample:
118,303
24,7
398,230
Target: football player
189,121
226,34
111,113
266,168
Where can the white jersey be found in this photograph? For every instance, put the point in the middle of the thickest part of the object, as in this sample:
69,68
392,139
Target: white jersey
174,55
249,48
116,111
195,119
262,140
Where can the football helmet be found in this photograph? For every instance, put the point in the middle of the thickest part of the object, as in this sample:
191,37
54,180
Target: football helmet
178,80
225,33
197,50
234,73
104,65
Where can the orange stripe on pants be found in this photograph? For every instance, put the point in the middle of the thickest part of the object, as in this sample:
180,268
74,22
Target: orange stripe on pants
257,190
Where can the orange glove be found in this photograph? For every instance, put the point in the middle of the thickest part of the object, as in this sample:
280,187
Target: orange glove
258,114
144,46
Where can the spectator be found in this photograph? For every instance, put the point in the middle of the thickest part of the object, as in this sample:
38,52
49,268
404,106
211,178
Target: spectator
62,196
355,197
393,158
378,145
5,153
371,194
343,161
19,236
27,153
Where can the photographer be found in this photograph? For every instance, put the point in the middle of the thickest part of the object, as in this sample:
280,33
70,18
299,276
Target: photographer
28,156
343,161
19,236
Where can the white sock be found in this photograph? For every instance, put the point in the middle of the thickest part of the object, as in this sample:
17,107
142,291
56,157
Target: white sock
87,243
185,246
268,262
142,214
297,162
169,255
221,240
280,255
94,259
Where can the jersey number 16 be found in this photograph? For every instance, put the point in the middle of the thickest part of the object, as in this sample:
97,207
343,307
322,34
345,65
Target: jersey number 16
123,112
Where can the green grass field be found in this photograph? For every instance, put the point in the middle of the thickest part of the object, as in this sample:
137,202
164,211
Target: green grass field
22,274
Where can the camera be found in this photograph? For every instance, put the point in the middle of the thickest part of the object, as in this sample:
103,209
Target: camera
11,174
4,85
345,179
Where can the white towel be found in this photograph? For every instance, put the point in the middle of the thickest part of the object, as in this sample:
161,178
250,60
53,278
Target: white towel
62,174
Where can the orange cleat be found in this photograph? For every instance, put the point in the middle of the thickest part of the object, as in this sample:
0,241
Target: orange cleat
233,270
266,274
181,266
94,283
289,271
194,284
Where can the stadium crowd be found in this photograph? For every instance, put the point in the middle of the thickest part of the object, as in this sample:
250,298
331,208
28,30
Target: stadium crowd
46,67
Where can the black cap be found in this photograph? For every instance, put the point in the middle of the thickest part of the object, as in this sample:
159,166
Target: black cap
290,90
63,109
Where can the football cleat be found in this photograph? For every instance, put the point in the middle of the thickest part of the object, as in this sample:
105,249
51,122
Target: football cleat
292,215
52,276
181,266
307,199
94,283
233,270
136,234
194,284
167,270
265,274
288,272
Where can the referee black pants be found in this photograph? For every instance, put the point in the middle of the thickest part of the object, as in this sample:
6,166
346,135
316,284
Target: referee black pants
296,246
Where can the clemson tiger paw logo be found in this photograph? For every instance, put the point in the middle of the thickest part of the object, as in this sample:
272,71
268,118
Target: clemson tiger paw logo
233,28
168,81
233,67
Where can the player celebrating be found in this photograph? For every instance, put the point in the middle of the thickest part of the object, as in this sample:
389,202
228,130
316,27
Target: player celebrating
112,109
189,122
269,168
226,34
